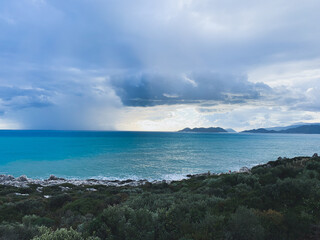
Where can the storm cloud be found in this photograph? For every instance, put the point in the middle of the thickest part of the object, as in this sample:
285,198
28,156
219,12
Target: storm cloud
149,89
95,64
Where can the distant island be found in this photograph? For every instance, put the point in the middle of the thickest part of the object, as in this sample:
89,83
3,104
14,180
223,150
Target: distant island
303,129
205,130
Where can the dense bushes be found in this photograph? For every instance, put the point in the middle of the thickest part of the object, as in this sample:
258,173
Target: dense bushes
17,231
60,234
124,223
244,224
279,200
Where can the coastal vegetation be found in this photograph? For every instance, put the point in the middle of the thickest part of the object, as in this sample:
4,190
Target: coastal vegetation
277,200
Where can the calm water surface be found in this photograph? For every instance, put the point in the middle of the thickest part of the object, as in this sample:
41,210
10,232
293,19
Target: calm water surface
137,155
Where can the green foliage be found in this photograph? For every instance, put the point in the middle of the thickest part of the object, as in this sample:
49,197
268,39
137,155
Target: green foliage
124,223
273,222
59,200
84,205
60,234
33,220
244,225
17,231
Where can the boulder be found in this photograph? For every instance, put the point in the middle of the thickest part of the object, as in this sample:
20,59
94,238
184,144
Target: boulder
22,178
64,188
21,194
244,170
6,178
126,181
315,155
52,177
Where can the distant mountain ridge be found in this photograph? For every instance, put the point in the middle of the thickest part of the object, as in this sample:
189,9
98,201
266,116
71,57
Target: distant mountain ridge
295,125
303,129
205,130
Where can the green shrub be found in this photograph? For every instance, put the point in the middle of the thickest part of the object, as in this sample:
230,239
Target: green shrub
60,234
124,223
273,222
84,205
33,220
16,231
59,200
244,225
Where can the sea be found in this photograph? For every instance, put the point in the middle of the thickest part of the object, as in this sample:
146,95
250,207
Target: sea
115,155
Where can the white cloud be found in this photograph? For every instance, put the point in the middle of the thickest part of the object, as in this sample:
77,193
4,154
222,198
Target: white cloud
289,74
191,81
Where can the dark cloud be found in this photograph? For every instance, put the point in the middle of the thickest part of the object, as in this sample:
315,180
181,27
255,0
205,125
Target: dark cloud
18,98
149,89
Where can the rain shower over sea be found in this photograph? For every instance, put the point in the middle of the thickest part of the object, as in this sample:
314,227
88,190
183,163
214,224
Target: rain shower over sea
142,155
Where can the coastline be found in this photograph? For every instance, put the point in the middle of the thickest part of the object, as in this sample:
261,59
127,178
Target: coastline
269,195
25,182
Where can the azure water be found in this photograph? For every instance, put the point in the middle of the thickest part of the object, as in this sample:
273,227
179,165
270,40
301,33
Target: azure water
141,155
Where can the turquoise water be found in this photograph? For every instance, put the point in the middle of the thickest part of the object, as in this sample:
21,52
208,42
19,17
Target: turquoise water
142,155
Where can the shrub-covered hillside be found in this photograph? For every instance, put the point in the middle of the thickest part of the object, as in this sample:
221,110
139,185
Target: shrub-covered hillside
278,200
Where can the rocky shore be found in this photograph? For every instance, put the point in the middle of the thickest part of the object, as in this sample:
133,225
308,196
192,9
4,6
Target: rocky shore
24,181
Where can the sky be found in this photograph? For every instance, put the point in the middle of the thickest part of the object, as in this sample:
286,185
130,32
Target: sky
158,65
